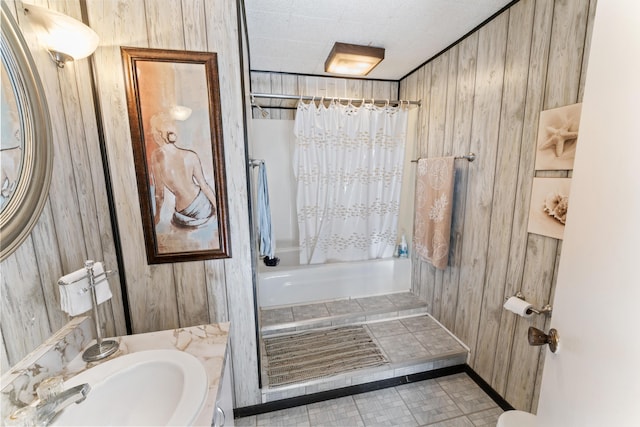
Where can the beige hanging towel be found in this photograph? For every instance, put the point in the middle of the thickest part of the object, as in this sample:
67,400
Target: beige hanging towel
434,199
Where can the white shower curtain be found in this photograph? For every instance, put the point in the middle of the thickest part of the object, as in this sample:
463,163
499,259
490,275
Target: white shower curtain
348,165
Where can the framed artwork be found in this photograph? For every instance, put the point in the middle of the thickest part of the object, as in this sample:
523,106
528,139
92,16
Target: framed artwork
173,98
549,206
558,138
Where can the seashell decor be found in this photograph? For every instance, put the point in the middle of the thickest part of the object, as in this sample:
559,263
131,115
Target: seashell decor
556,205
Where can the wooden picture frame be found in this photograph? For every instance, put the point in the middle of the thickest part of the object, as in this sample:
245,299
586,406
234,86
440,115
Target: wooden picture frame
173,98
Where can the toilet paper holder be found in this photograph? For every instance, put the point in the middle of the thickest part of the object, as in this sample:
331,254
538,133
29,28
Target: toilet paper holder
544,310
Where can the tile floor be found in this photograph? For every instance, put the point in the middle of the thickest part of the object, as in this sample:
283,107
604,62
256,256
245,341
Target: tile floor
410,338
452,401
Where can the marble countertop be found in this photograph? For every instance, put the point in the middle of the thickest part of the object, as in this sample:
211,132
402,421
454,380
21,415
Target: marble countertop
208,343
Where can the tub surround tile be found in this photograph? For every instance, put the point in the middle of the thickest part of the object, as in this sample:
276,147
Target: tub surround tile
437,341
377,303
310,311
405,300
402,347
275,316
385,329
342,307
420,323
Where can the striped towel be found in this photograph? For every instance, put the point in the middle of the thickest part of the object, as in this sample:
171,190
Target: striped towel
434,199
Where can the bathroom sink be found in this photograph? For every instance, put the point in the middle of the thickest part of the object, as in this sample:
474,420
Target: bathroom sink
155,387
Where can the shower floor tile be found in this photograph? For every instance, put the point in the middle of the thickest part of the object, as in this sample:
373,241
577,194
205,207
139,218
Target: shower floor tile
411,340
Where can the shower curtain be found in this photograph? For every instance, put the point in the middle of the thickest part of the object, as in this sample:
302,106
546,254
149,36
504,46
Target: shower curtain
348,166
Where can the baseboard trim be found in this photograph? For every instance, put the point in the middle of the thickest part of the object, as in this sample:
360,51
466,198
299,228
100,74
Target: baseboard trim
307,399
500,401
344,391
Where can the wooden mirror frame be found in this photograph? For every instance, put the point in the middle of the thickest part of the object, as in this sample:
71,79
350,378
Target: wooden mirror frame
25,204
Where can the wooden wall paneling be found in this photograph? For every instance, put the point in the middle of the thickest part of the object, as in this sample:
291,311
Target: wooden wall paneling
437,122
509,142
217,291
485,127
115,307
455,145
587,46
164,24
63,198
353,88
25,323
47,261
151,290
562,88
384,90
465,94
367,89
331,87
82,173
537,72
426,270
276,87
260,83
191,293
222,37
289,86
195,29
536,285
566,52
547,325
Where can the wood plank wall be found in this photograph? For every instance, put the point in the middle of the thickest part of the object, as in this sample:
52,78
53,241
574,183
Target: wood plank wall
75,224
296,84
485,95
166,296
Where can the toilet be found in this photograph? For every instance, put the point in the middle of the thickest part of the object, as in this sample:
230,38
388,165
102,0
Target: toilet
517,419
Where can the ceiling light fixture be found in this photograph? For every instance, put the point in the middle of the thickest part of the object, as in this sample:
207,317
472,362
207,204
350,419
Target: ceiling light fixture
67,39
353,60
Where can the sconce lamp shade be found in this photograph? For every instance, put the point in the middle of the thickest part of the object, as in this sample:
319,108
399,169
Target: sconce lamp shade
354,60
66,38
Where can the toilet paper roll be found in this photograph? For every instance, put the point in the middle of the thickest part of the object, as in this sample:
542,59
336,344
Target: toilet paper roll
518,306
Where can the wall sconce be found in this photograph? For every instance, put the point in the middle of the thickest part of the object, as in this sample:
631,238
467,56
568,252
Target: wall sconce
353,59
67,39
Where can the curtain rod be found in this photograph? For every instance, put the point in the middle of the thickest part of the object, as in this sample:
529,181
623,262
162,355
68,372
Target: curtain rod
332,98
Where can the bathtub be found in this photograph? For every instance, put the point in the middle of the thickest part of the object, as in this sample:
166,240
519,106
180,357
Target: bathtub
291,283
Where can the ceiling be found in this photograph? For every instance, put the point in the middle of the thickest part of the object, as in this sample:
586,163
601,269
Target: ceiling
295,36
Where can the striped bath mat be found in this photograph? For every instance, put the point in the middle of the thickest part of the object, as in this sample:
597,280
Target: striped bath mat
312,355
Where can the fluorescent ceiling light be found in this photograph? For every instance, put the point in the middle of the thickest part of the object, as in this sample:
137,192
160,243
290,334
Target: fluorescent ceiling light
353,60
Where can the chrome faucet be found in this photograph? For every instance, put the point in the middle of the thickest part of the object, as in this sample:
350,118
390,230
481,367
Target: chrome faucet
47,409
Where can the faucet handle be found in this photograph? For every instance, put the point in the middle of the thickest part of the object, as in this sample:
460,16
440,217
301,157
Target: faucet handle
50,387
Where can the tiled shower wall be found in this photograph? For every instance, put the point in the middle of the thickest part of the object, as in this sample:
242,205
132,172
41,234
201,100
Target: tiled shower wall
485,95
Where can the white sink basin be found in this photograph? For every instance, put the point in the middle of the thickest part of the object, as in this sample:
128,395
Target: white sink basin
155,387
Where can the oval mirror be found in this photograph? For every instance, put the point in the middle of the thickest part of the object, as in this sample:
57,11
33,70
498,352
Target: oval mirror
26,146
